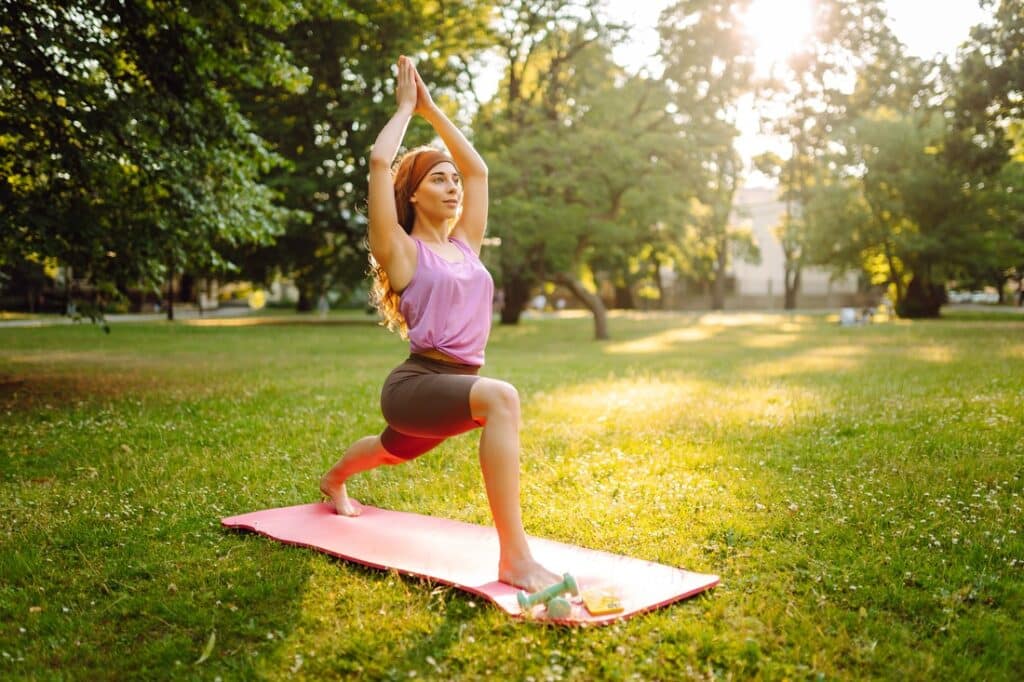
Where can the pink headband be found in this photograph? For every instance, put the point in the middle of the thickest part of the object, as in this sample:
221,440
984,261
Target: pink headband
422,165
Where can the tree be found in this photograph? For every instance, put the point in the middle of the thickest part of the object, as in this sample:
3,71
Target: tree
986,140
628,186
596,169
791,175
905,216
125,156
843,72
920,185
326,130
708,66
557,57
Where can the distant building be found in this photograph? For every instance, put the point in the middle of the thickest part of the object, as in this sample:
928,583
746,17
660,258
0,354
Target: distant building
763,285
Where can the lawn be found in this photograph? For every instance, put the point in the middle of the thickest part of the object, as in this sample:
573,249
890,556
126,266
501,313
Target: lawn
858,490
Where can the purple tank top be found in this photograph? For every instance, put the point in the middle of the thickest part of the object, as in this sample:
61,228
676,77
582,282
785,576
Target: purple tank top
447,306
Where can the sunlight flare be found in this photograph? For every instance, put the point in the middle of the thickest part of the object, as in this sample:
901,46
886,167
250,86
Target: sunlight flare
779,28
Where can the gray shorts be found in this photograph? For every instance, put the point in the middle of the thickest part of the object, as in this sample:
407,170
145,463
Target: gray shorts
425,401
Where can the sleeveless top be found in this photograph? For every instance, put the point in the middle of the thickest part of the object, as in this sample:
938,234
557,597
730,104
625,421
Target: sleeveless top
447,306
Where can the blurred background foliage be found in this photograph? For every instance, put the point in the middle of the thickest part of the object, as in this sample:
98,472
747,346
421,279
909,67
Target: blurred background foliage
143,143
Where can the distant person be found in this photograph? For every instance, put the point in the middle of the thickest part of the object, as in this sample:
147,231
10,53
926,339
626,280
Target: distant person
427,223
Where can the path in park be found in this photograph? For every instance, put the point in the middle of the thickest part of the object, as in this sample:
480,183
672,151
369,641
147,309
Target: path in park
187,313
179,314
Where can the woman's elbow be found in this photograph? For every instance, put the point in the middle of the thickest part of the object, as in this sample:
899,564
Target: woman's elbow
378,161
479,170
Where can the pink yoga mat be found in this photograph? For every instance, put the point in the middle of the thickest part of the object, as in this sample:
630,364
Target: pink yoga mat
465,556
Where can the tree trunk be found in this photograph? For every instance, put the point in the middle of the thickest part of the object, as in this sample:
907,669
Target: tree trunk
1000,281
170,292
792,285
661,286
718,285
306,297
517,293
789,278
624,297
186,287
922,300
591,301
68,272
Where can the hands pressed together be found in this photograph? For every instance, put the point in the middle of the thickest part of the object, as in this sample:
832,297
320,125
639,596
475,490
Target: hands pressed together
414,98
411,92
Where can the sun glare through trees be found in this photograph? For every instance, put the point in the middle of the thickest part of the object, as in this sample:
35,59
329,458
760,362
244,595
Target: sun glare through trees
778,29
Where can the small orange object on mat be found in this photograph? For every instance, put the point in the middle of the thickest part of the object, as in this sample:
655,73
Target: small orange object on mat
601,601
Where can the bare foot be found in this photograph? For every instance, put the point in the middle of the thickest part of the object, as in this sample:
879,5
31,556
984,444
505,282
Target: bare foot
526,574
343,504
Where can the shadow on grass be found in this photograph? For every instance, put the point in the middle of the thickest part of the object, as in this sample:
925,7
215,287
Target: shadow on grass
63,367
31,390
98,597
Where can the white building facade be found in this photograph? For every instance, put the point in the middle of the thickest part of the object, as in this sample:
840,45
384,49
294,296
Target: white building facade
762,285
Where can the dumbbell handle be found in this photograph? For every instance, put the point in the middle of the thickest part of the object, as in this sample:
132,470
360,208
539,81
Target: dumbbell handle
568,584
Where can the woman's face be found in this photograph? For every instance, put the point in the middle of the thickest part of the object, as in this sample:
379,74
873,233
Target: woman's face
440,193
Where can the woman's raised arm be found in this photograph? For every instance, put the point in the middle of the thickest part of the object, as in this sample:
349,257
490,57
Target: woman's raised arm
473,223
389,243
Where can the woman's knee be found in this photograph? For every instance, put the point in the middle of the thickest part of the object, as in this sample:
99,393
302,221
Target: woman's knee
491,396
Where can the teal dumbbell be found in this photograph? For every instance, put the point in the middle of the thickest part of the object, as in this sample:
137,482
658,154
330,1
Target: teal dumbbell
558,607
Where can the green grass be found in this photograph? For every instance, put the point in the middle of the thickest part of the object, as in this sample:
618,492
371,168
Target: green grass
858,490
995,314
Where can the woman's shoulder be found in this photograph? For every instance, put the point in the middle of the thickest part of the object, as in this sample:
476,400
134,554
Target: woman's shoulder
462,242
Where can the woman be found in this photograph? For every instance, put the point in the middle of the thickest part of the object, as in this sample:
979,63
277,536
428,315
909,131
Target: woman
431,286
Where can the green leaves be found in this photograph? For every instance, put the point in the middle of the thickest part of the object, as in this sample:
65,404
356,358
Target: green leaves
337,96
122,138
591,168
904,176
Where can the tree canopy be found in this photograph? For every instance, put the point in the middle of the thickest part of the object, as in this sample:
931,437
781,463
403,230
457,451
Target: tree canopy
325,129
914,182
123,151
140,139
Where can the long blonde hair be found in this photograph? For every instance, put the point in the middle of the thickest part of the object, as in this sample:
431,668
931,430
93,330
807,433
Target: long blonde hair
382,296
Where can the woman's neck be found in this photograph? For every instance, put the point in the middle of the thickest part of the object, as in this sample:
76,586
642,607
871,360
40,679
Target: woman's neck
430,233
